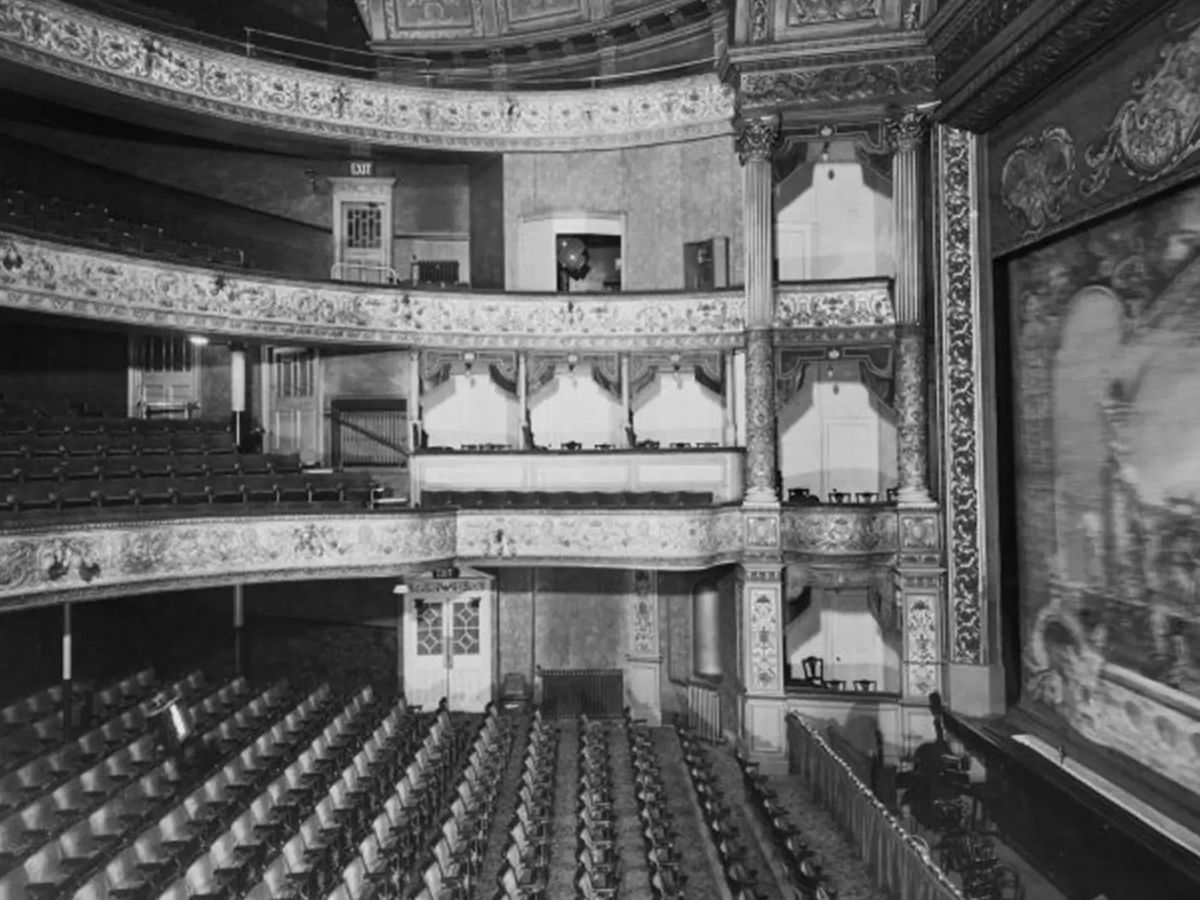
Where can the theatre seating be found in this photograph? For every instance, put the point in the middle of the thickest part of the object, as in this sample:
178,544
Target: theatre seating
439,499
82,221
666,880
62,463
524,873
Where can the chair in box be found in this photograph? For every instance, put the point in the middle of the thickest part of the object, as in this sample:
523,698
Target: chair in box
515,693
814,671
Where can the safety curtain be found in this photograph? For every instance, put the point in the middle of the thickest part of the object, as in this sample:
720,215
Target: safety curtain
898,864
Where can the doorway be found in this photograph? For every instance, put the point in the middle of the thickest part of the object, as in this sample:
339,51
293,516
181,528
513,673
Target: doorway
448,645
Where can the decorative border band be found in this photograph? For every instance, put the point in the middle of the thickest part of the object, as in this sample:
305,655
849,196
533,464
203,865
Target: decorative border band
81,46
56,278
46,564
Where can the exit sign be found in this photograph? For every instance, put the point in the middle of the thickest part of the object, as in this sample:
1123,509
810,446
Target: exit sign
362,168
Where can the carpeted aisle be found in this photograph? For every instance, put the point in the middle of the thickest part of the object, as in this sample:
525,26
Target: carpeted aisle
631,851
845,868
564,816
701,868
729,777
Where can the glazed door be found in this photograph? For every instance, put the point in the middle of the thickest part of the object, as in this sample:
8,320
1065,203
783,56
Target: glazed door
448,652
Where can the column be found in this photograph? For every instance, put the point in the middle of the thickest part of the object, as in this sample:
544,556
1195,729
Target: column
906,134
706,627
68,699
756,142
627,402
729,422
237,392
526,439
644,656
239,620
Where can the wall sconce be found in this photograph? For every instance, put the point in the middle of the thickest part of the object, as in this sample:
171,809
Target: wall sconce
572,362
676,364
469,363
833,356
197,340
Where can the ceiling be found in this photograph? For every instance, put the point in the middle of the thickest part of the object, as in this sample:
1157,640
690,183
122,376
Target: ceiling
454,43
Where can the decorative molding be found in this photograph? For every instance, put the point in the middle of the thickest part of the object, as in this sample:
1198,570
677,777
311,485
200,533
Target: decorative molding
762,443
956,154
1036,178
84,47
643,615
647,538
762,532
763,592
1017,61
921,640
920,537
820,12
825,83
42,276
832,305
907,130
105,558
830,531
962,30
757,137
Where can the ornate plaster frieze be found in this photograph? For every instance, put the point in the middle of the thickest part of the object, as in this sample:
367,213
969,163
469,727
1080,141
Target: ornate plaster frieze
840,305
839,532
54,278
100,559
649,538
956,152
823,82
84,47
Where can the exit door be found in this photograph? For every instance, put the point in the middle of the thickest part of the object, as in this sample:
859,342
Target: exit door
447,652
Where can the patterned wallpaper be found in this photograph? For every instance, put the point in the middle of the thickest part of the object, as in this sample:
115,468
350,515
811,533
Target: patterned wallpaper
671,195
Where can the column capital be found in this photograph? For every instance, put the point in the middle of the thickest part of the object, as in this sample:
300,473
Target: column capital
757,138
907,129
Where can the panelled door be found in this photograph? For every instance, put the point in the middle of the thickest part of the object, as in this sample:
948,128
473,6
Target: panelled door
448,651
293,409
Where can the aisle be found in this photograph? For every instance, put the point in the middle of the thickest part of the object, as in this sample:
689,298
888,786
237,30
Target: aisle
700,863
729,779
843,865
506,806
631,849
563,816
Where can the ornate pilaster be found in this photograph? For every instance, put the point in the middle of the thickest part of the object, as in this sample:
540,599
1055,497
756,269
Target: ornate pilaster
644,656
761,449
973,679
912,422
761,589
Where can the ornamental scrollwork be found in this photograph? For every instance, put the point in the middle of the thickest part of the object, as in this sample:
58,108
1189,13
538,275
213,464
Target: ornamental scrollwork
1036,177
883,80
907,129
869,304
1158,128
828,531
815,12
764,637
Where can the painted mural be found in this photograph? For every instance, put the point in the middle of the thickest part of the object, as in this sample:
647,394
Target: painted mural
1107,388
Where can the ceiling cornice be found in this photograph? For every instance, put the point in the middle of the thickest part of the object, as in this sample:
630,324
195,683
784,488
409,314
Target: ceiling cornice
997,57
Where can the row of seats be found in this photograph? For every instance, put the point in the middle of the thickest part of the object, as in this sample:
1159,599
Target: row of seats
268,807
354,488
64,789
157,443
167,842
524,873
718,818
21,420
666,881
801,862
89,222
27,740
138,827
597,876
439,499
115,468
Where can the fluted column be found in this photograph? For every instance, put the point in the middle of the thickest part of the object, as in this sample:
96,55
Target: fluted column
907,132
756,142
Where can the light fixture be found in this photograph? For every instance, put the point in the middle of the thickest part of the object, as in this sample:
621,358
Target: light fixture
197,340
469,361
676,364
572,362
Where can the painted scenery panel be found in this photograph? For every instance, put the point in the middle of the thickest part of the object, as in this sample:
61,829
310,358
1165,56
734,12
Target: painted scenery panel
1107,387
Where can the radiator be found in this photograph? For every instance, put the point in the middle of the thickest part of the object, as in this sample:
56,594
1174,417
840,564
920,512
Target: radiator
704,712
567,693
